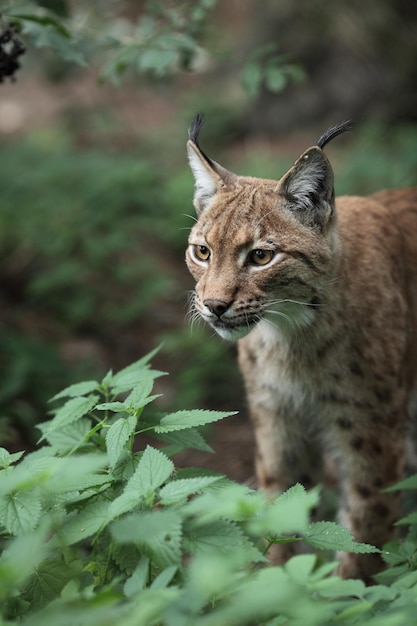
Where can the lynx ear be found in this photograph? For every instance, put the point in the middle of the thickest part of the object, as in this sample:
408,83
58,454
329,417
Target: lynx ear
210,177
308,188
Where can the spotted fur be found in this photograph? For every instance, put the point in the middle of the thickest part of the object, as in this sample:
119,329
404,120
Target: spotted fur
322,298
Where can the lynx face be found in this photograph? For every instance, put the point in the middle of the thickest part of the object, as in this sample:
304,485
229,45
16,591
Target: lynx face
261,250
255,261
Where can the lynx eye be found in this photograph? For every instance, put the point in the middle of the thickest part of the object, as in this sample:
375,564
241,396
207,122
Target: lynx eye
260,257
201,253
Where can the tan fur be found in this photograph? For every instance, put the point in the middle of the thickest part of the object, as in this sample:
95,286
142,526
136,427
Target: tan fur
327,329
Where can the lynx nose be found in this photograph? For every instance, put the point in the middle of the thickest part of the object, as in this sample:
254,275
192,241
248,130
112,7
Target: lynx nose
217,307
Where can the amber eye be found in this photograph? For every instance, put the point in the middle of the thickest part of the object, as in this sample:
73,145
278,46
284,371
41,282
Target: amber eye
260,257
202,253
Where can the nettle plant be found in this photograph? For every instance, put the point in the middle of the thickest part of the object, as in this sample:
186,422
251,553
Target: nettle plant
97,530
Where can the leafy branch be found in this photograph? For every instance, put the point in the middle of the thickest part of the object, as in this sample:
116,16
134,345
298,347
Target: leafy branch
164,40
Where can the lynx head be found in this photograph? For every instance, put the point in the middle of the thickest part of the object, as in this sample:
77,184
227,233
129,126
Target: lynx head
261,250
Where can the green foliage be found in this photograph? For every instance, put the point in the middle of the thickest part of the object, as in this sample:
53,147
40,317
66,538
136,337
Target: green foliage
164,39
266,68
98,527
64,237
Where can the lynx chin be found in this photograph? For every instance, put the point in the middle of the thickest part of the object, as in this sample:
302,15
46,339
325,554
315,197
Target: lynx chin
321,295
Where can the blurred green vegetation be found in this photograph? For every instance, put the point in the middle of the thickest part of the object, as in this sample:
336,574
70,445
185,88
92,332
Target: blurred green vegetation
91,247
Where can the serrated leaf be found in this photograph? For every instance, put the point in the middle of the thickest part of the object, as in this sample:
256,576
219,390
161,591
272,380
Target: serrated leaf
117,436
191,439
408,519
138,579
84,523
289,514
7,459
117,407
335,587
331,536
126,558
20,556
74,473
129,376
164,578
190,419
158,533
47,582
20,512
140,394
179,490
153,469
300,567
140,382
408,483
67,437
76,390
221,536
230,500
70,412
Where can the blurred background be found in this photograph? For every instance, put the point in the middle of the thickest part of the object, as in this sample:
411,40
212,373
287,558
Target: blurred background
95,190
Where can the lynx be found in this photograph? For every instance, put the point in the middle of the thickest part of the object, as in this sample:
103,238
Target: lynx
321,295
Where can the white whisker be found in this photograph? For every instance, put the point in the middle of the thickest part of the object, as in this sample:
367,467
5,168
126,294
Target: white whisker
192,217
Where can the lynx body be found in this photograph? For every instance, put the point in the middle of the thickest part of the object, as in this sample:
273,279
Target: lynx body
322,298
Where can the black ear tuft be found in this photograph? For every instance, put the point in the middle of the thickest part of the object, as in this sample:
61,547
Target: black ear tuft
194,131
334,131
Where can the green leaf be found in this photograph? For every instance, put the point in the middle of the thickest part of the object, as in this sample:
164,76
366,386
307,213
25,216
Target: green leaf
158,533
408,519
117,436
84,523
164,578
74,473
50,33
139,396
289,514
331,536
275,78
20,556
408,483
137,581
20,512
296,73
130,376
47,582
183,439
300,567
153,469
252,78
335,587
230,500
67,437
180,490
70,412
220,536
117,407
126,558
7,459
189,419
78,389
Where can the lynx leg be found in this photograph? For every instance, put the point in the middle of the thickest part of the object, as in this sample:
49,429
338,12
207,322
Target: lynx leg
283,459
375,460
